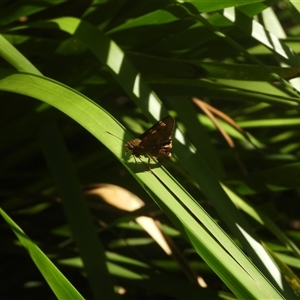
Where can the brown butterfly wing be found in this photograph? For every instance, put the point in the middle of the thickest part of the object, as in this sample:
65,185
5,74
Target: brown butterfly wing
157,141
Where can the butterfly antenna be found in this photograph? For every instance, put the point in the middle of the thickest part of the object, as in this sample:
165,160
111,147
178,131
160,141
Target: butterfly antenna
114,136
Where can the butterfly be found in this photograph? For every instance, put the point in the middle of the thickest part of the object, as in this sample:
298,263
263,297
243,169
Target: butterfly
155,142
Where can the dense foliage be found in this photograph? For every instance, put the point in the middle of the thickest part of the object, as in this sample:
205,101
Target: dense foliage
83,219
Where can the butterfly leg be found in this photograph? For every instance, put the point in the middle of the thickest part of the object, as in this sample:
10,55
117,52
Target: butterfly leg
135,162
149,159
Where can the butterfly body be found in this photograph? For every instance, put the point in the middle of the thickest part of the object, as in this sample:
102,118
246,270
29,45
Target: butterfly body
155,142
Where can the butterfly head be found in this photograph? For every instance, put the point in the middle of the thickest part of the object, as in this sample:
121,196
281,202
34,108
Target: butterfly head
133,147
129,147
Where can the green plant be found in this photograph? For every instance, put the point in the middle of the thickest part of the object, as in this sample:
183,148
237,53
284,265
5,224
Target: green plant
101,64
